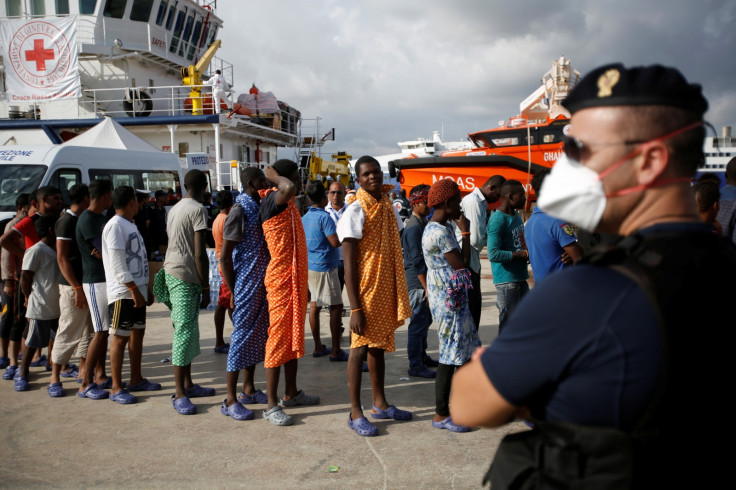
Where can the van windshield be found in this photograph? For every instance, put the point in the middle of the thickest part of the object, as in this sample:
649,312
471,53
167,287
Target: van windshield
16,180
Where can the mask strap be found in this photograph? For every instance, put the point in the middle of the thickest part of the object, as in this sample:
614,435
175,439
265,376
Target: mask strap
642,187
636,150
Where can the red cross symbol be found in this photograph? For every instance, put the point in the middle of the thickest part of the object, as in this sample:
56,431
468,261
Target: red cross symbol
39,54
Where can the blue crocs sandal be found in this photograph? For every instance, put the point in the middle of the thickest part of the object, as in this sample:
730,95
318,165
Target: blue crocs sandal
325,350
197,391
183,406
55,390
41,361
362,427
10,372
450,425
21,384
107,384
72,372
391,413
93,392
236,411
223,349
258,397
341,356
4,362
123,397
145,385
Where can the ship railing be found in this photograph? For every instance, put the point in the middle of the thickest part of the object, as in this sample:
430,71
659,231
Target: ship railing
173,100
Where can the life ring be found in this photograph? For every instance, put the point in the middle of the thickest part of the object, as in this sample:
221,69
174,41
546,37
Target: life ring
137,103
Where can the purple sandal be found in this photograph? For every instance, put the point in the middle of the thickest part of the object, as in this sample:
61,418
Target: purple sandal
391,413
362,427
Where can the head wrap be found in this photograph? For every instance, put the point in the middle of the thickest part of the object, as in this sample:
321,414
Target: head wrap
417,197
441,191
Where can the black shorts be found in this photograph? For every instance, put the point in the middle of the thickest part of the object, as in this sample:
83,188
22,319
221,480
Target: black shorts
124,317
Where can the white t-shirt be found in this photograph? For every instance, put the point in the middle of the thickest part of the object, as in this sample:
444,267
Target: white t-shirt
351,223
43,303
124,258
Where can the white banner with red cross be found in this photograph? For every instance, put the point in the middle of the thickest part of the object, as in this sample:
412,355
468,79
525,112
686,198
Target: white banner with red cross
40,58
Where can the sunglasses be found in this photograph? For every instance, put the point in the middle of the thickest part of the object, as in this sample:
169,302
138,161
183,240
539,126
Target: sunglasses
577,150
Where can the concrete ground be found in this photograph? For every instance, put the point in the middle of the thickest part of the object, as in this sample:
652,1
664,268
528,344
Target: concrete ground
73,443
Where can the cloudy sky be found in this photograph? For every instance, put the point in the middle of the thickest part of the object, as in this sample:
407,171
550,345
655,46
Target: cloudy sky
382,71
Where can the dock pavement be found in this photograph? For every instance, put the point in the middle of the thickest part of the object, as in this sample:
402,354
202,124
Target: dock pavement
78,443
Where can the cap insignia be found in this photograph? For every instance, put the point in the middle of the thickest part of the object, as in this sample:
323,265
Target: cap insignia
607,81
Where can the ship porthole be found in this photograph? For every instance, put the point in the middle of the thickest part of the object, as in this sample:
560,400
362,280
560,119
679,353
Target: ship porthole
139,105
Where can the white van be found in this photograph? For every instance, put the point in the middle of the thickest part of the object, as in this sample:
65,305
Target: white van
24,169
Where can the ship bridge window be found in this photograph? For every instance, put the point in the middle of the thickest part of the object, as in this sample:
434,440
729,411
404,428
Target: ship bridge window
141,10
212,35
161,12
62,7
171,16
177,30
553,134
38,7
187,34
195,39
114,9
12,9
87,6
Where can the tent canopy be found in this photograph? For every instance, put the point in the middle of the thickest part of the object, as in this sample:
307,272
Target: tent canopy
110,134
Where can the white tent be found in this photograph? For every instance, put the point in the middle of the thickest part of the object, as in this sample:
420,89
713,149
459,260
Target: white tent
110,134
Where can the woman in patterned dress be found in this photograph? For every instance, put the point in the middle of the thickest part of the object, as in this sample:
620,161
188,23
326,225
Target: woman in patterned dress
448,280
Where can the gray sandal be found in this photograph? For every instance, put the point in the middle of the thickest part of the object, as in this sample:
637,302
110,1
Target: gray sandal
301,398
277,416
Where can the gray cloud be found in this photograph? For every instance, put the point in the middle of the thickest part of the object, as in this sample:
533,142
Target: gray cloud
381,71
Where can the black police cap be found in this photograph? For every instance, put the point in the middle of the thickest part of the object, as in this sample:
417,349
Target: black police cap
615,85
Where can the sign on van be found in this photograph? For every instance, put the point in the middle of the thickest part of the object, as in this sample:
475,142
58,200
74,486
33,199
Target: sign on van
197,160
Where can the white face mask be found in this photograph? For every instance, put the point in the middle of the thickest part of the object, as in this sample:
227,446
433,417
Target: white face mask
574,193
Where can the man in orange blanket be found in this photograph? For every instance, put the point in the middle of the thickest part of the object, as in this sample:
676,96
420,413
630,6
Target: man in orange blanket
376,286
286,289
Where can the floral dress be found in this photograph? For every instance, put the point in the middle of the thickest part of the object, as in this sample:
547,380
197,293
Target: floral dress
457,334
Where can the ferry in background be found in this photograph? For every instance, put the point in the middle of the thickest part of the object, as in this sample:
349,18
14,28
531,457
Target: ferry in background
143,63
524,144
420,147
718,151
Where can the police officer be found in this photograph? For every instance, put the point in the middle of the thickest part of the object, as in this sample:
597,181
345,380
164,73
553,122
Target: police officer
615,359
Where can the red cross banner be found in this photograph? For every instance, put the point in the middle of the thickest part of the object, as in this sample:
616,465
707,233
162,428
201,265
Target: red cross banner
40,58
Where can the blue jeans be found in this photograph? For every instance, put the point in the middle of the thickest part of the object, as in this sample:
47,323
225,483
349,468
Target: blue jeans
421,319
508,296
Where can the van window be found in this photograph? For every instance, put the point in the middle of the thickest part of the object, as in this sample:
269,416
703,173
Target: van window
150,180
16,180
64,179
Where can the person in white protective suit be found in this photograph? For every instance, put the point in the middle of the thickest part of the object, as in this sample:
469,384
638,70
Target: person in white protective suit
220,89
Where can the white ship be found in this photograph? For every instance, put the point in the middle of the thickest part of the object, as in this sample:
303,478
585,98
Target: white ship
718,151
143,63
420,147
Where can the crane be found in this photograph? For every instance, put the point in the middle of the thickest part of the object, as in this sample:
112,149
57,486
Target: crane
192,76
